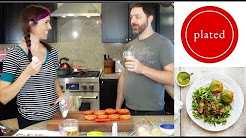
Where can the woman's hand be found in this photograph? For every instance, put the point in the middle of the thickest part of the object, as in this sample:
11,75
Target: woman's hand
59,99
34,67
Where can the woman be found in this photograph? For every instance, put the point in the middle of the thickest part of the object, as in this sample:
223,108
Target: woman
29,70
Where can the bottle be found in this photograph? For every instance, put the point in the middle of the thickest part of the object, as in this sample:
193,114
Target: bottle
64,104
114,129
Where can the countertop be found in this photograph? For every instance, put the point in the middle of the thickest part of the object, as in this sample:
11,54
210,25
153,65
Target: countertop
187,126
110,76
156,120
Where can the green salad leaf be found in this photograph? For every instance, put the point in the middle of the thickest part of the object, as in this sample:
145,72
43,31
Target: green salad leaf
208,106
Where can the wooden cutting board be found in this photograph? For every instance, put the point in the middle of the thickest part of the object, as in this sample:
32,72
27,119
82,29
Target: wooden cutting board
85,126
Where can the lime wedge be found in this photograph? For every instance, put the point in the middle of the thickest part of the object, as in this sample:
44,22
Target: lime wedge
95,133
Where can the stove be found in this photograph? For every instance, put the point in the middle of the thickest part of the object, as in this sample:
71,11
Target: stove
82,81
83,86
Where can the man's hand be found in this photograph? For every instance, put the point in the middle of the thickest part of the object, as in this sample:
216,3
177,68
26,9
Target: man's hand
132,64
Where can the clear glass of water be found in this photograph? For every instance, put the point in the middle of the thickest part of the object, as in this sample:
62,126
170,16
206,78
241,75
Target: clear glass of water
126,55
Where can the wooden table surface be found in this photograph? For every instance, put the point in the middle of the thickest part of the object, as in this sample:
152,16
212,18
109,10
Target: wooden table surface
155,120
187,126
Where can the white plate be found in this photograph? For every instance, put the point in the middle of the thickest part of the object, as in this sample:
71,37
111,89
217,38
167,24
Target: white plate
237,104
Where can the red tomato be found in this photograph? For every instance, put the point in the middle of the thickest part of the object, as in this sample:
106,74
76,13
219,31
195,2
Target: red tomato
114,117
102,116
123,111
88,112
110,111
125,117
99,112
90,117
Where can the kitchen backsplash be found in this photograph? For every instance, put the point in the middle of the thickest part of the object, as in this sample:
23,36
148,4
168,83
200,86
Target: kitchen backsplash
79,39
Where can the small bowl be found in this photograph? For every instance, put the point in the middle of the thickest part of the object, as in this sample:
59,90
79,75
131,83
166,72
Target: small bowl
183,73
167,129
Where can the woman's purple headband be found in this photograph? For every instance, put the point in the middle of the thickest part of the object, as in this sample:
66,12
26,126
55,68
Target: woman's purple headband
43,15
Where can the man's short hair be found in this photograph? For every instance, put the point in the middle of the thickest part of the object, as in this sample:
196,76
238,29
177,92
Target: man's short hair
148,8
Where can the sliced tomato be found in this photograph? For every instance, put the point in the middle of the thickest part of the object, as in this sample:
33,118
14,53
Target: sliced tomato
99,112
114,117
90,117
123,111
125,117
102,116
88,112
110,111
102,119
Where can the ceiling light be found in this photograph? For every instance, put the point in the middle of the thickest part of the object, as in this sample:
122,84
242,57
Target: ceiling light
75,34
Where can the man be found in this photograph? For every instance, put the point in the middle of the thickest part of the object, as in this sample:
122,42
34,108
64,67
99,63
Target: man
142,83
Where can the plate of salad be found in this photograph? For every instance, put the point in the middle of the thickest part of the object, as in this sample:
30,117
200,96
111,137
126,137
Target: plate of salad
214,102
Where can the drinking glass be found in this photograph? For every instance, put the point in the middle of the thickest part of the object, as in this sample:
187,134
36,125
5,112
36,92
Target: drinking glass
126,55
69,127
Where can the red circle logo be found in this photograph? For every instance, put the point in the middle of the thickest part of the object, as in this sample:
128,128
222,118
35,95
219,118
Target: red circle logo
209,34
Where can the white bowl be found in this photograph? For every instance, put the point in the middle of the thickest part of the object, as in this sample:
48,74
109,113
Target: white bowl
167,128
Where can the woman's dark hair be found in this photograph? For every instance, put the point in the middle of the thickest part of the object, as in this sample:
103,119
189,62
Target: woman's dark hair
33,13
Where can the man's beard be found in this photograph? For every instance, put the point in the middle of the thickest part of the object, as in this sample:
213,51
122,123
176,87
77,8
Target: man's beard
140,28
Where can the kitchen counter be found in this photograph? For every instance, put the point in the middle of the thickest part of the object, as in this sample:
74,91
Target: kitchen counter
156,120
187,126
110,76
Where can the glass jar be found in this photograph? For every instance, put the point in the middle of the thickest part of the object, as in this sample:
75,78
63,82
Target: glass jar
69,127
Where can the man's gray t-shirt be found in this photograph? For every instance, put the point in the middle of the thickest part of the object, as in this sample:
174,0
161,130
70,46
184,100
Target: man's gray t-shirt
142,93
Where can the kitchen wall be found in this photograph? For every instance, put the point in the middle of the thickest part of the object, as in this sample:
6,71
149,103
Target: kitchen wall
79,39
